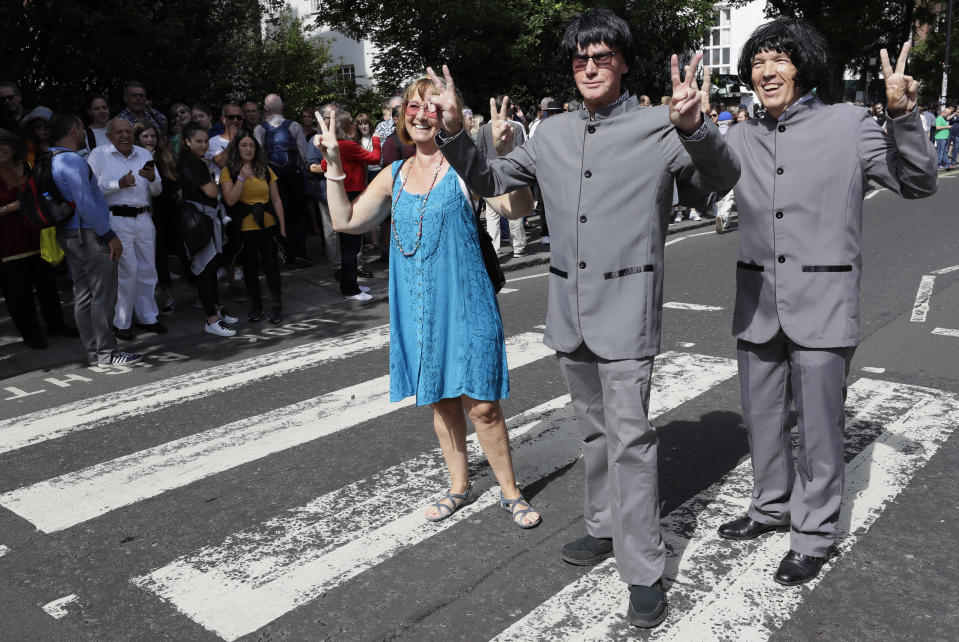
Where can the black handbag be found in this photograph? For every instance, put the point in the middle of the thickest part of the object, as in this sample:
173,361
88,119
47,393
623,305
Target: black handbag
490,257
196,228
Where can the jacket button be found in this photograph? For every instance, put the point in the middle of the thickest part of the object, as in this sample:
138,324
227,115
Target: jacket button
781,259
779,214
587,174
591,129
782,128
582,265
780,170
582,219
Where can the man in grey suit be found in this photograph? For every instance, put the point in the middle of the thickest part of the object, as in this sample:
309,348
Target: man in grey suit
607,173
805,170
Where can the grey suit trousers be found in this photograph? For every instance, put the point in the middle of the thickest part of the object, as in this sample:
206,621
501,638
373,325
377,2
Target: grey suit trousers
94,290
611,401
807,495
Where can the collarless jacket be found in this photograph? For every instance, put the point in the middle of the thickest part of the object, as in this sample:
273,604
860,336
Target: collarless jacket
800,203
607,185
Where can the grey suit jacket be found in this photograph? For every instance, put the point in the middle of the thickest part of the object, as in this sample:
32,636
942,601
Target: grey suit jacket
607,184
484,139
800,215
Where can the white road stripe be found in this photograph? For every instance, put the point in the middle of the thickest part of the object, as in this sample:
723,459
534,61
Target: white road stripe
691,306
946,332
946,270
700,566
921,307
65,501
523,278
508,290
58,608
873,369
4,550
51,423
257,575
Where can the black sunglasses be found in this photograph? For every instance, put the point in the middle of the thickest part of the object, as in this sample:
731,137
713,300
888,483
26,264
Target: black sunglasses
234,116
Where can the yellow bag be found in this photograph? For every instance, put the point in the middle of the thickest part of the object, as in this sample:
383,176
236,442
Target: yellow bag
50,250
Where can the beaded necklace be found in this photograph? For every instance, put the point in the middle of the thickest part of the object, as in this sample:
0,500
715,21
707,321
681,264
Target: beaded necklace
419,232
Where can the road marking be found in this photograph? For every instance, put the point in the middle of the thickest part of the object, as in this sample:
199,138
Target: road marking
523,278
946,332
873,370
70,499
688,236
257,575
696,307
4,550
57,608
685,344
921,308
946,270
52,423
508,290
701,567
6,340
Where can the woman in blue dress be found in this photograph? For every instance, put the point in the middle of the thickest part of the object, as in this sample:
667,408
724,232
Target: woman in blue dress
446,334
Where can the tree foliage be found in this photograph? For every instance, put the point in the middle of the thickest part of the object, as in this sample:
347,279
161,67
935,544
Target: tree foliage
927,59
59,53
511,47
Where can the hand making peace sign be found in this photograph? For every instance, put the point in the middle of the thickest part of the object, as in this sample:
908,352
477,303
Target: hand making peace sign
501,129
901,90
685,105
449,116
326,141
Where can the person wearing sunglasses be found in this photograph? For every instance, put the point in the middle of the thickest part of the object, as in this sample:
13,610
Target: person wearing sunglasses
607,172
232,118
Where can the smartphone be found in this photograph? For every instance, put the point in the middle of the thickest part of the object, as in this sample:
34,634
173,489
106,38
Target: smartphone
149,165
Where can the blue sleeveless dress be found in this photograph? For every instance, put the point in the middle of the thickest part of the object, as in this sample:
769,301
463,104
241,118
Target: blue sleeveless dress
446,334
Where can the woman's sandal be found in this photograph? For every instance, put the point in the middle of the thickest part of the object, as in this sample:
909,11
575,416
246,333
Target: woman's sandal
509,504
459,500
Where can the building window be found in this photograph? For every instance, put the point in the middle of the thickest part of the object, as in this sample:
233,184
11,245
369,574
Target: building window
315,5
716,51
346,74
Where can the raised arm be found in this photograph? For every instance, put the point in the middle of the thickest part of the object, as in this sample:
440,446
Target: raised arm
370,207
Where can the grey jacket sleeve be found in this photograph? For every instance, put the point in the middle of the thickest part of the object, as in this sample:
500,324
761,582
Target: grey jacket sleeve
703,166
903,160
489,178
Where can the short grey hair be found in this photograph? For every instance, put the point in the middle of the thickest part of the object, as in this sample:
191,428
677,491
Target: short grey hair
273,103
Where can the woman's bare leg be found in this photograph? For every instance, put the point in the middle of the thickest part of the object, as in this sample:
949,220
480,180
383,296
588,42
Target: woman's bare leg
449,423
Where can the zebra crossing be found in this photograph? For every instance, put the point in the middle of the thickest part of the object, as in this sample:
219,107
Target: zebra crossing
263,570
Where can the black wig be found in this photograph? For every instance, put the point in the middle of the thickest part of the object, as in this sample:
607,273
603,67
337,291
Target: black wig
595,26
804,44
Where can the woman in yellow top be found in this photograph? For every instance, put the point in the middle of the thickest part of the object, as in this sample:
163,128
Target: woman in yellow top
250,191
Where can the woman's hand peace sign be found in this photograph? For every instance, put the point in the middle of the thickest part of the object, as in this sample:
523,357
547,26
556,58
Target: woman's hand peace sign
326,141
685,106
448,113
501,129
901,90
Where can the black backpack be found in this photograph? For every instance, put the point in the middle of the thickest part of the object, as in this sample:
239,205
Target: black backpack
41,202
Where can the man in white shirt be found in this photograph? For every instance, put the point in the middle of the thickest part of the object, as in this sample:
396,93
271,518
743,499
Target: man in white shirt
127,177
232,118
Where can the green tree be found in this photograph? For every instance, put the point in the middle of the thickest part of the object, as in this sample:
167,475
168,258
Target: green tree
500,46
928,55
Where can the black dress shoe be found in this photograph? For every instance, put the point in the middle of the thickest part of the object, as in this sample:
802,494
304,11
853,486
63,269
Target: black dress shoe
587,550
276,314
123,334
747,528
647,605
798,568
156,328
363,272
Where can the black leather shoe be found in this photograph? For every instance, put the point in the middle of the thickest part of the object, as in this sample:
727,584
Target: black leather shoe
647,605
256,312
276,314
364,273
587,550
123,334
797,568
155,328
747,528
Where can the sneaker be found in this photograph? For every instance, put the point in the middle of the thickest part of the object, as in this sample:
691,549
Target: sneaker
364,273
225,316
679,217
544,240
647,605
364,288
256,313
276,312
362,296
169,306
720,225
694,215
587,550
517,255
220,329
238,273
156,328
120,358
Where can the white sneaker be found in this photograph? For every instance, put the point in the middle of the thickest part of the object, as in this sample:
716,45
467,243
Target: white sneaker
544,240
364,288
225,316
694,215
220,329
362,296
720,225
679,217
238,273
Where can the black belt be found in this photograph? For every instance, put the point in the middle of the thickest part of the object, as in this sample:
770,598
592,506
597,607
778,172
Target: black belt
127,210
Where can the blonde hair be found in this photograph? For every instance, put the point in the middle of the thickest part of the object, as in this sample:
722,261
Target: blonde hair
422,86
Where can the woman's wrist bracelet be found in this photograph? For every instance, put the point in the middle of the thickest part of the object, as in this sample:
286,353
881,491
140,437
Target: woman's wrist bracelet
336,178
241,180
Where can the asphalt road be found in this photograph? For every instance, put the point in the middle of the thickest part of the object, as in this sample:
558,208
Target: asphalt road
264,488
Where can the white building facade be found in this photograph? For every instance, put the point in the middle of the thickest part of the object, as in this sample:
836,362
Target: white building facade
353,59
721,50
